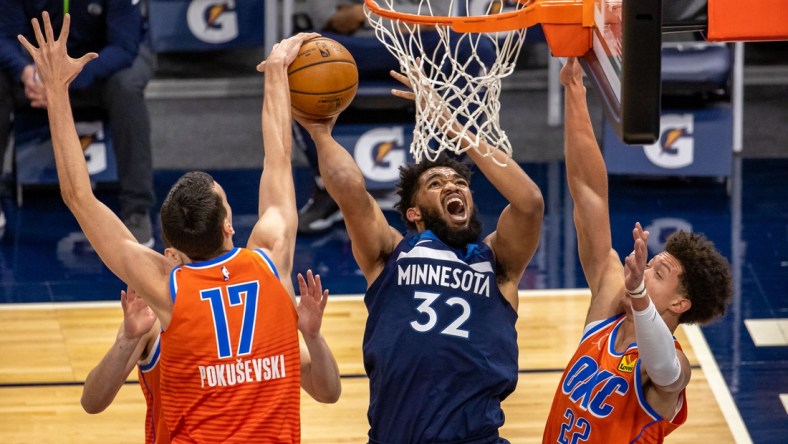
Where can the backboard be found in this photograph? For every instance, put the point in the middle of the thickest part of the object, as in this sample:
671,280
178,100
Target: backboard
624,65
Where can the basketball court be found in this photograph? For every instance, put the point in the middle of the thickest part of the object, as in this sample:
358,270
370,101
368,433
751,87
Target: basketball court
60,309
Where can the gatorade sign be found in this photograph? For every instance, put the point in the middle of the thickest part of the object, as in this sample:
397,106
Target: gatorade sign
213,21
691,143
200,25
35,160
379,151
676,145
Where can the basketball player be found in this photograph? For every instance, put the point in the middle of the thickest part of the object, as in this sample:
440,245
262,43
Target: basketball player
230,367
440,346
626,382
137,344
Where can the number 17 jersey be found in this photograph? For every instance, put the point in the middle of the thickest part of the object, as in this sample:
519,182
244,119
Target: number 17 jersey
230,369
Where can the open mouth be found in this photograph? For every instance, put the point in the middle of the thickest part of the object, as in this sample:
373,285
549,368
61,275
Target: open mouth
455,207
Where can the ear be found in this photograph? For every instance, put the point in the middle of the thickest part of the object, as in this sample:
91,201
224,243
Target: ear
680,305
413,214
228,228
174,256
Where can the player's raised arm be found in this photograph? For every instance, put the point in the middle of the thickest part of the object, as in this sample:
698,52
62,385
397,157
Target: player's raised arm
319,370
133,263
105,380
372,237
275,231
587,178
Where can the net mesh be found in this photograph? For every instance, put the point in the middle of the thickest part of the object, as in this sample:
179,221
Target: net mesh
456,77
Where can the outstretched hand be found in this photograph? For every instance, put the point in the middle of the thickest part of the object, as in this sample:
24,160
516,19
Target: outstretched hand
286,51
53,65
138,318
571,73
408,95
312,304
635,263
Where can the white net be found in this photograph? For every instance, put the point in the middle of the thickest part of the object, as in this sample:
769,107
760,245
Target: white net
456,77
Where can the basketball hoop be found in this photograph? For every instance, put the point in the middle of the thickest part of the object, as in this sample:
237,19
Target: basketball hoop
457,77
458,90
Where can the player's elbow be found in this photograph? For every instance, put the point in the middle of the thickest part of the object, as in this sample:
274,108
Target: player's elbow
329,396
668,376
530,204
74,197
91,406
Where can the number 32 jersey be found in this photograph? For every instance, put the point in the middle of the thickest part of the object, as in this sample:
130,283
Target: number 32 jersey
230,369
600,398
440,346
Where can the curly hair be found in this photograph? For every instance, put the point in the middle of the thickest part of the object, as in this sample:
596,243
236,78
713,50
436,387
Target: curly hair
706,278
409,181
192,216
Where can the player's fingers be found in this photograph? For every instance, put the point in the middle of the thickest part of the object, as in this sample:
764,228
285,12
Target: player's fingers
401,78
404,94
65,29
301,37
27,45
318,284
48,28
86,58
37,32
261,66
302,288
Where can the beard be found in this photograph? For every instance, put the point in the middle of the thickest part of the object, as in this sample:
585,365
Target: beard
454,237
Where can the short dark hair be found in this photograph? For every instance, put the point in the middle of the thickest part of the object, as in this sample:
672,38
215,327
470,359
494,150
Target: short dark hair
409,181
706,277
192,216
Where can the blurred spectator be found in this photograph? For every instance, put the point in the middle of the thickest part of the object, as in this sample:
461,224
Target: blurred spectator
115,82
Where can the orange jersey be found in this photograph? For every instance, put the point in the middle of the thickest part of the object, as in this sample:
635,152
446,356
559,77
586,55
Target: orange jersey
149,374
230,365
600,398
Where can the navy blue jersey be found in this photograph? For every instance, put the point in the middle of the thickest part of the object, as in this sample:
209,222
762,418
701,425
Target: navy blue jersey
440,347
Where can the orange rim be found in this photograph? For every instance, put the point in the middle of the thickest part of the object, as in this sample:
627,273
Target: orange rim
535,11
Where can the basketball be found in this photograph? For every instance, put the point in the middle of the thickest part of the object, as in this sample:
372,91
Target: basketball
323,79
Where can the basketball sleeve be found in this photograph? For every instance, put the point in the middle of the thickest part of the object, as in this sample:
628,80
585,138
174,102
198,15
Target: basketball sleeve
656,346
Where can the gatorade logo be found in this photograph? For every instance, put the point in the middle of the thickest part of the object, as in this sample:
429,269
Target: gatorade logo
676,145
213,21
627,364
91,137
660,230
380,152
